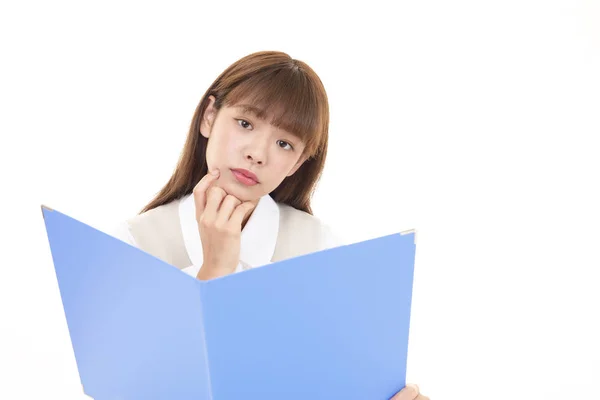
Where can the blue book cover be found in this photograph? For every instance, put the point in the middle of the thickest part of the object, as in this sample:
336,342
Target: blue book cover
327,325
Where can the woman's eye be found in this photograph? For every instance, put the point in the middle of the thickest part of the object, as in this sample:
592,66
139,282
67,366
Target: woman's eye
283,145
243,123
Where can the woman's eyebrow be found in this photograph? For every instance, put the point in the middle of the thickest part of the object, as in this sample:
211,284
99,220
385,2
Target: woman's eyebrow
260,114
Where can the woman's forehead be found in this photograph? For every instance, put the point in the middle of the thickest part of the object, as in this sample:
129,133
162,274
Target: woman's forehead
281,113
270,116
258,111
251,109
263,115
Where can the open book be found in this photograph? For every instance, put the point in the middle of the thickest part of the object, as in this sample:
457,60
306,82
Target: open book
328,325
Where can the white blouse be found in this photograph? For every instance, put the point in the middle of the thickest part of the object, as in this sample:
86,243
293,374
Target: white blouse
258,238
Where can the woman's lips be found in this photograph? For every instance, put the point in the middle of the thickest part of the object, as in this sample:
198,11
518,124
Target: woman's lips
244,176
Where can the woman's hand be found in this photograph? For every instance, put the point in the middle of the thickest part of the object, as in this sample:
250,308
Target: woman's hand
410,392
219,217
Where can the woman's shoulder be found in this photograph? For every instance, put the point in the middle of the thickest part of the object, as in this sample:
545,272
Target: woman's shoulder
293,215
153,220
301,223
155,217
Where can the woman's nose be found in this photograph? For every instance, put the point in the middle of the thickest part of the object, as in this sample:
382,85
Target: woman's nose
255,159
257,152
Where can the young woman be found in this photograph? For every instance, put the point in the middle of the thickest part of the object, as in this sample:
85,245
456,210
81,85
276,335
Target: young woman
240,195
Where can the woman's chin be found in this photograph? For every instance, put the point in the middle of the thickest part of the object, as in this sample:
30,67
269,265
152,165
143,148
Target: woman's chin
243,193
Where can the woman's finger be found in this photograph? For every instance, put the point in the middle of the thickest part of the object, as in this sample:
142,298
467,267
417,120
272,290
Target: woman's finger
410,392
214,197
227,207
240,212
200,191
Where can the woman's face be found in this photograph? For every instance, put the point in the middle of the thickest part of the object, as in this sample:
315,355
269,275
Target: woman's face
253,156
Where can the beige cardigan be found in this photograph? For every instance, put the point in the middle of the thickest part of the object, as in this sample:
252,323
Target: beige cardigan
274,232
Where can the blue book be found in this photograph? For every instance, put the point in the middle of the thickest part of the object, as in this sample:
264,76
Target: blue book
333,324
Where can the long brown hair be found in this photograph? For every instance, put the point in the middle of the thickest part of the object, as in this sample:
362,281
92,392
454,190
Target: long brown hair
277,85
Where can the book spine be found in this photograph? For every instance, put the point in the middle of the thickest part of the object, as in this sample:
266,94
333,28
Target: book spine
203,339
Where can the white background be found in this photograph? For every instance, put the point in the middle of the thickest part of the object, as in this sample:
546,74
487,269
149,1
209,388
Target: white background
475,122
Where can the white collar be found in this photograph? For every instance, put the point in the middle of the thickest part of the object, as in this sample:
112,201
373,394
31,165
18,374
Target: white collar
258,238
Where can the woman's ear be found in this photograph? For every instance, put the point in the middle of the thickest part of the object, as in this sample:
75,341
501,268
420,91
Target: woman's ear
208,118
301,161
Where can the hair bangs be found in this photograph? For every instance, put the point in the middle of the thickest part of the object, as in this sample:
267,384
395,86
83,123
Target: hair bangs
288,97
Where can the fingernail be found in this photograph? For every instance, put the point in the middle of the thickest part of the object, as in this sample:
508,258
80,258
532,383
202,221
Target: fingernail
415,387
215,172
